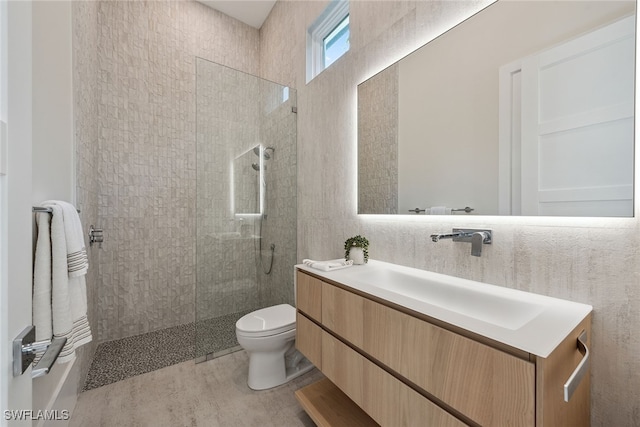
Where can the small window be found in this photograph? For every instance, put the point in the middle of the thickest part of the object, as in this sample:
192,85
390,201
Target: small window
328,38
336,43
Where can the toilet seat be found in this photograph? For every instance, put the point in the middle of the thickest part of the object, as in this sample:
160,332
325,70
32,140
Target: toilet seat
267,321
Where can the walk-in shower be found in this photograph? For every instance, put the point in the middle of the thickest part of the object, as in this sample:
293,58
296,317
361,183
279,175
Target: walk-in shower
245,201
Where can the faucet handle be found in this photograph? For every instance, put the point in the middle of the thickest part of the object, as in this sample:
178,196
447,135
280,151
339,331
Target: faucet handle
478,238
484,236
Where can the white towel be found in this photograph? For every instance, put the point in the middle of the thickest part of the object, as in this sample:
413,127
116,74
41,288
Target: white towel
67,314
439,210
328,265
42,280
77,259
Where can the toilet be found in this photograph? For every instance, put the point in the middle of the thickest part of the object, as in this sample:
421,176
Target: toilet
268,335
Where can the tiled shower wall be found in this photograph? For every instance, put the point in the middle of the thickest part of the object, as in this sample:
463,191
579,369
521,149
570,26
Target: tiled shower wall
147,155
595,261
85,84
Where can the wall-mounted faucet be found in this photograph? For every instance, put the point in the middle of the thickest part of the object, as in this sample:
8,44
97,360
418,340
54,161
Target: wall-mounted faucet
477,238
436,237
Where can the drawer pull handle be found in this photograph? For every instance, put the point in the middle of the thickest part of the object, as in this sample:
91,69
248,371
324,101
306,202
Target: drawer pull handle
575,378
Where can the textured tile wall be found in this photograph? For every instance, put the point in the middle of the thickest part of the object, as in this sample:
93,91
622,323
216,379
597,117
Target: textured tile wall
85,86
594,261
147,157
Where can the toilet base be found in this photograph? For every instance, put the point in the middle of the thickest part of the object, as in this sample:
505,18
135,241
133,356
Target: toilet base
302,368
277,374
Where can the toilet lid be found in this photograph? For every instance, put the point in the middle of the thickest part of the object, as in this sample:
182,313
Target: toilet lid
268,321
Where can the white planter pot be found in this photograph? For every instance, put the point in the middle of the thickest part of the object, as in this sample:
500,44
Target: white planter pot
356,255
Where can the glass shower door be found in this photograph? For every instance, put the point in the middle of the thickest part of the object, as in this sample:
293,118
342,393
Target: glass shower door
245,201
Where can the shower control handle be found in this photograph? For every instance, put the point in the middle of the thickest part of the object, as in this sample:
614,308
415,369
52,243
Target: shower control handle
95,235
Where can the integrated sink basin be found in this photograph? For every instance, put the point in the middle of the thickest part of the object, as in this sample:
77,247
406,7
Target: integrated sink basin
486,305
530,322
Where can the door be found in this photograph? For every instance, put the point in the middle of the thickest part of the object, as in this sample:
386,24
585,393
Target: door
15,205
576,105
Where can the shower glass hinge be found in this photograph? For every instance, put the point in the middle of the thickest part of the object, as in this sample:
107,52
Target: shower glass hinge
294,110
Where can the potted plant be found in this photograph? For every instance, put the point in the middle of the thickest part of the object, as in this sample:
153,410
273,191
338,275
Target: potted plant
357,249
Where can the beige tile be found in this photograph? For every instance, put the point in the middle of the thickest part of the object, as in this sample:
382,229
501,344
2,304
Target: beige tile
212,393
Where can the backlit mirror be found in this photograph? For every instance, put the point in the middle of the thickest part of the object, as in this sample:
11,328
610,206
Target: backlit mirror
526,108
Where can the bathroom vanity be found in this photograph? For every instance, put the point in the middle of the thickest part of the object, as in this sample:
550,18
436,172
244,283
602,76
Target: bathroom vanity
401,346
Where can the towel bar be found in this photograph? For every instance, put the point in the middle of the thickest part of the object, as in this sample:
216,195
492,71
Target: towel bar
466,209
43,209
572,383
25,347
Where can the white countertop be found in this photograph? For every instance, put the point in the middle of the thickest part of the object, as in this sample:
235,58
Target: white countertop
522,320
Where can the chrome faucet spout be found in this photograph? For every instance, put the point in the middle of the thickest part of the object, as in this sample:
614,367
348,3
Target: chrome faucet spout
436,237
476,237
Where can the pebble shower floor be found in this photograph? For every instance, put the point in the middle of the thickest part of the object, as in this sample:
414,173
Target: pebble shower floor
127,357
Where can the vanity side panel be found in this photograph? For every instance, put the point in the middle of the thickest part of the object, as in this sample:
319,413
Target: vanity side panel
309,295
309,339
552,373
486,385
342,313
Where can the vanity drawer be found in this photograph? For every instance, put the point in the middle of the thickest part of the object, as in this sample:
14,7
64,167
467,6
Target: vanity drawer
344,367
487,385
309,295
309,339
386,399
342,313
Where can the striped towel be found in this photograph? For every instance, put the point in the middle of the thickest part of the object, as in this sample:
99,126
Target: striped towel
77,259
59,286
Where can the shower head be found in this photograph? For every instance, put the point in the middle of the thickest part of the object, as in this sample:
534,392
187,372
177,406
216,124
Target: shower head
256,151
265,155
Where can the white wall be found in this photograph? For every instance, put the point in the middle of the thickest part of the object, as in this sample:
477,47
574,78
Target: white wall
53,136
15,289
53,157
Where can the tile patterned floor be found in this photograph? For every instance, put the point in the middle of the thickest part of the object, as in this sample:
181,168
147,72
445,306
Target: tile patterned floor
213,393
124,358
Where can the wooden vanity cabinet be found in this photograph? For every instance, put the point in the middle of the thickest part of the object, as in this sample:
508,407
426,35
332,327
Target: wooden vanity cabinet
309,296
402,370
382,396
343,313
486,385
309,339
